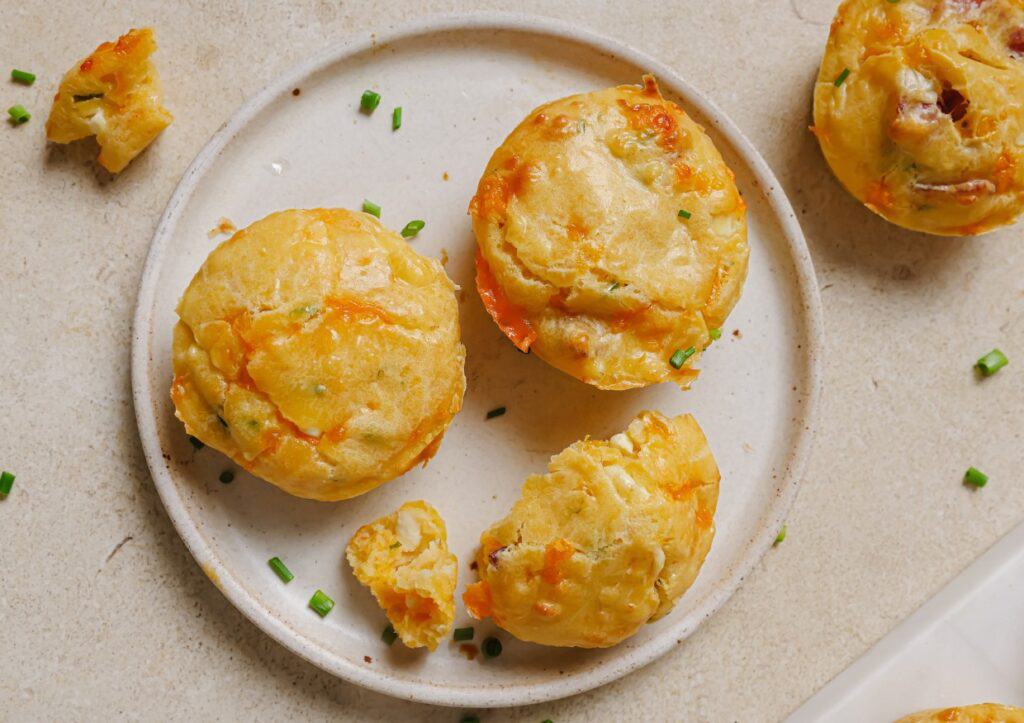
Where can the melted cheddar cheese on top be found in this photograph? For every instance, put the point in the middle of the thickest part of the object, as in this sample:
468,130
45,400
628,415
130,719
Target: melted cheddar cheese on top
981,713
114,94
611,234
320,352
919,111
404,559
607,540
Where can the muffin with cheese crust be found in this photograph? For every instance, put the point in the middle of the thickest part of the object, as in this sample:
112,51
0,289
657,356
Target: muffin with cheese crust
918,111
404,559
611,235
981,713
609,539
320,352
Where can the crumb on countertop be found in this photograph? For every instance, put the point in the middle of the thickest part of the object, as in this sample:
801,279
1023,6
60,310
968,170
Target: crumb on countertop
224,225
468,650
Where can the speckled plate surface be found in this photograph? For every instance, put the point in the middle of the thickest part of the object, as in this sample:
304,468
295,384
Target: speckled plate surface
464,83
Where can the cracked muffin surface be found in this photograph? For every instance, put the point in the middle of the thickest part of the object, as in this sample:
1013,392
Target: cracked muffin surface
919,111
320,352
404,559
610,235
609,539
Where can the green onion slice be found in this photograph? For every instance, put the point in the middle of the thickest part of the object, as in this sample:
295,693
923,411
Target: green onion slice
227,477
492,647
684,214
975,477
496,412
992,362
842,77
286,575
715,333
396,118
412,228
781,536
371,208
18,113
6,483
320,603
23,76
461,634
389,635
195,443
369,101
679,358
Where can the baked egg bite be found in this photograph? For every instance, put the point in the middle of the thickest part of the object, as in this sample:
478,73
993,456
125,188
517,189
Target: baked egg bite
919,111
607,540
114,94
610,236
981,713
404,559
320,352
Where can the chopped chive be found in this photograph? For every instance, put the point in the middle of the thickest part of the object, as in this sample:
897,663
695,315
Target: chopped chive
369,102
781,536
284,573
975,477
396,118
412,228
320,603
715,333
227,477
992,362
547,720
23,76
371,208
6,483
842,77
679,358
492,647
389,635
19,114
396,545
614,286
195,443
461,634
496,412
320,389
684,214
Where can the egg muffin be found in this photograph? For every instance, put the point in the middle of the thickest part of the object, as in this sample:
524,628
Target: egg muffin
606,541
114,94
982,713
404,559
610,236
918,111
320,352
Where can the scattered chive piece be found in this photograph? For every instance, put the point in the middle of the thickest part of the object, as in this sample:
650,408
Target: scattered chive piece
781,536
715,333
462,634
496,412
23,76
842,77
396,545
992,362
227,477
679,358
18,113
975,477
369,101
319,389
6,483
371,208
614,286
284,573
412,228
470,719
547,720
389,635
492,647
684,214
195,443
321,603
396,118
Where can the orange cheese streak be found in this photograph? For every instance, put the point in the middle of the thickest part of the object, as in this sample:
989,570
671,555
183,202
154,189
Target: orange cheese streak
555,554
506,315
478,600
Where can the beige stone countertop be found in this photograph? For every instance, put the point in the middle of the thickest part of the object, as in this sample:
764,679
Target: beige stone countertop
103,613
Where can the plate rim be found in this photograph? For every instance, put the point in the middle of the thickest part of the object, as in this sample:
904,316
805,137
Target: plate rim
307,648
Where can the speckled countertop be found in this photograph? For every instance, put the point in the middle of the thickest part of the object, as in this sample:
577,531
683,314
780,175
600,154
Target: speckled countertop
103,613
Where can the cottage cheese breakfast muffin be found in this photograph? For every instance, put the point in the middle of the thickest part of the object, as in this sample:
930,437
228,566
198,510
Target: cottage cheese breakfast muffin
982,713
114,94
404,559
606,541
320,352
611,236
919,110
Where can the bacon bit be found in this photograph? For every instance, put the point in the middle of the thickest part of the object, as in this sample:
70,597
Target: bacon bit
878,195
224,225
1004,171
478,601
703,518
469,650
953,103
367,659
555,554
506,315
1016,41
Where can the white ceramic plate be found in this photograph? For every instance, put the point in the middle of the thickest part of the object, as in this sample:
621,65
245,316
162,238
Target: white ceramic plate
464,83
